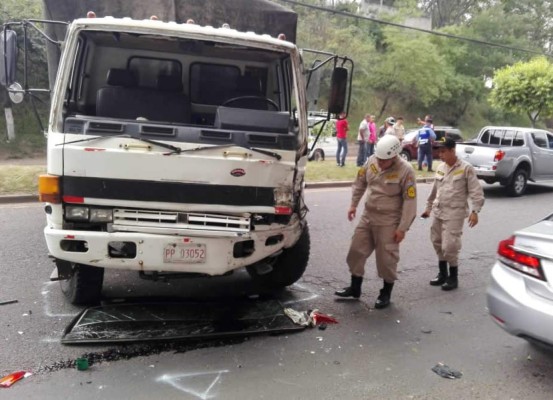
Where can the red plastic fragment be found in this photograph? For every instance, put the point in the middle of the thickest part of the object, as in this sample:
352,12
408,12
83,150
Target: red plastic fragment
10,379
320,318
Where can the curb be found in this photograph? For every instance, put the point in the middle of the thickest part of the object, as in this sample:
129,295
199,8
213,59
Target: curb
18,198
29,198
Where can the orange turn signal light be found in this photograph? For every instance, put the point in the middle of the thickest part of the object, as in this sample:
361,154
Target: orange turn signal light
49,189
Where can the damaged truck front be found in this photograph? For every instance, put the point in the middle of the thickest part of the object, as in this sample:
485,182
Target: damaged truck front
176,149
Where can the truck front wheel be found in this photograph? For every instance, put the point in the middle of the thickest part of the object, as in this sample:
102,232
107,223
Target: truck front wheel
85,285
286,268
518,183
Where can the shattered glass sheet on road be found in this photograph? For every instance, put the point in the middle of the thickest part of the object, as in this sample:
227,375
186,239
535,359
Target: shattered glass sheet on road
133,322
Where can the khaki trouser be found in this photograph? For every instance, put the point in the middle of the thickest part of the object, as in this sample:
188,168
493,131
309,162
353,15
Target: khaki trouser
446,238
380,239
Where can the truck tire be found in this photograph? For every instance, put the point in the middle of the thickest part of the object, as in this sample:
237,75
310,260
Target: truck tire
518,183
288,267
85,286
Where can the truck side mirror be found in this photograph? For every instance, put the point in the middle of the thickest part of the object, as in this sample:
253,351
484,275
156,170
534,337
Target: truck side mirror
338,89
8,57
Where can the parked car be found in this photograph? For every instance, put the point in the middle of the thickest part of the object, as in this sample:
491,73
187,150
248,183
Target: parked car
511,156
410,151
326,146
520,294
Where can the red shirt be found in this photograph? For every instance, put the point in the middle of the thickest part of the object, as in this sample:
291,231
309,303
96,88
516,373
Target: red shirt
342,128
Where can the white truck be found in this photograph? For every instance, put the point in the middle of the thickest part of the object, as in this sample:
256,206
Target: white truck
511,156
177,149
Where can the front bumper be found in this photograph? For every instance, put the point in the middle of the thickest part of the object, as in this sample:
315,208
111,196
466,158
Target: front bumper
150,248
523,312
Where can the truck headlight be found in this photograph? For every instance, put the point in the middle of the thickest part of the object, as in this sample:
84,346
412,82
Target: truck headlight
76,213
101,215
83,213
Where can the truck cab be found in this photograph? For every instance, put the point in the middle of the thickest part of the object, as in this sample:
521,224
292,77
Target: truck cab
176,149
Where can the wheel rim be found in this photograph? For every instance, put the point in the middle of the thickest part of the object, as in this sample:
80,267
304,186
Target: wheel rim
404,156
520,182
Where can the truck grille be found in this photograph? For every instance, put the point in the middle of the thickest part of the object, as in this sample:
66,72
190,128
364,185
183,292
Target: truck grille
177,220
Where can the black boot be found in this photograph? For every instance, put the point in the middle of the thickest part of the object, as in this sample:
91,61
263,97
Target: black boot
383,300
451,282
354,290
442,275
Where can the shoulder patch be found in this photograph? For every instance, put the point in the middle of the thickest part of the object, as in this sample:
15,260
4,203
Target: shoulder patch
374,169
411,192
362,171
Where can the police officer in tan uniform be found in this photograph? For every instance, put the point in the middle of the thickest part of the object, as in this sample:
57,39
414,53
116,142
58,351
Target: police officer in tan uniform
454,184
390,208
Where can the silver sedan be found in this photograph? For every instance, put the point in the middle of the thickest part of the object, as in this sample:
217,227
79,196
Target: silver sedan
520,294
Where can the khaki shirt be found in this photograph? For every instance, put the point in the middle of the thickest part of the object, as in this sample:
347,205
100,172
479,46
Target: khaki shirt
391,194
452,188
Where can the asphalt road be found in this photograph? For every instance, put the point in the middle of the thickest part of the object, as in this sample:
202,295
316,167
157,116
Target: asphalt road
370,354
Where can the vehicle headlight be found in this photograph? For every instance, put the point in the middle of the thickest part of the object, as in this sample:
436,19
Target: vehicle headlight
76,213
82,213
101,215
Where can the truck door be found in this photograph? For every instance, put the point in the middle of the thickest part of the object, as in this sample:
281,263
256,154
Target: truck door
542,153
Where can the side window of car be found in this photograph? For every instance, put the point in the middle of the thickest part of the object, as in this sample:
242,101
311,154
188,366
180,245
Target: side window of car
496,136
550,140
507,139
439,134
485,138
518,139
539,139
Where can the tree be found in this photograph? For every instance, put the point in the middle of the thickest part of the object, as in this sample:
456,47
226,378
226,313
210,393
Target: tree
409,72
525,87
451,12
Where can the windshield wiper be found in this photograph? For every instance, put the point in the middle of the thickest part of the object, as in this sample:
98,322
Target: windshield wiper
178,150
173,149
91,138
266,152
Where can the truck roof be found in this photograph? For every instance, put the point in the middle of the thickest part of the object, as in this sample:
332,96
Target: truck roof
174,28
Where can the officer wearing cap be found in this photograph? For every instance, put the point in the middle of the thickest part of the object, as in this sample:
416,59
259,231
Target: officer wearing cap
454,184
390,208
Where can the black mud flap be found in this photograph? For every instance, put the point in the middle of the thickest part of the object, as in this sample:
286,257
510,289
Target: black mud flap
143,322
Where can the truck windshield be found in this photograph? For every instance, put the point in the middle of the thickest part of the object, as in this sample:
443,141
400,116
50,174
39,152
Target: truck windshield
186,89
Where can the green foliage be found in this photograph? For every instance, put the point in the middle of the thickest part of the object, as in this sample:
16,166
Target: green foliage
29,136
525,87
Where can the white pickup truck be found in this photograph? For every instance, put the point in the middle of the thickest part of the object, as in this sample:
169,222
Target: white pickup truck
511,156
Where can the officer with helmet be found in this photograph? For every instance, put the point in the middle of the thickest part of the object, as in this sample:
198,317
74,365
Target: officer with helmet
390,208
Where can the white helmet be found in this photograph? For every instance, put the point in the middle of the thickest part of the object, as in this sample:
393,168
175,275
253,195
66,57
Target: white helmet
387,147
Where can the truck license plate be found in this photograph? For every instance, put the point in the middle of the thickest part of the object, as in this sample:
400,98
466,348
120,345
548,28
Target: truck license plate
184,253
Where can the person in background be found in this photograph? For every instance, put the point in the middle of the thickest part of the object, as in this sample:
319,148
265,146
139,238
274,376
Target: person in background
454,185
424,139
372,137
342,129
389,210
399,129
389,124
362,140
